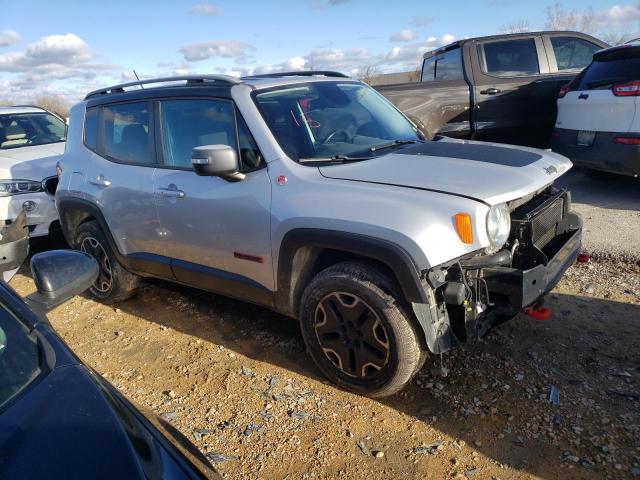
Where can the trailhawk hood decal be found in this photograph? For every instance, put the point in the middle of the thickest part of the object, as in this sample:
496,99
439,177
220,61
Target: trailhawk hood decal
489,172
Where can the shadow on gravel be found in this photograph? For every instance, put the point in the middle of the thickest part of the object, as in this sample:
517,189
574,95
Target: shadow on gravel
496,394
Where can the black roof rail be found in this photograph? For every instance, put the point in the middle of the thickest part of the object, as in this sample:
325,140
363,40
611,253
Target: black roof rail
303,73
26,106
190,79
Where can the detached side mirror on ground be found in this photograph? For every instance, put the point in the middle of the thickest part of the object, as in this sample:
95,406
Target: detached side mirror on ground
59,275
217,161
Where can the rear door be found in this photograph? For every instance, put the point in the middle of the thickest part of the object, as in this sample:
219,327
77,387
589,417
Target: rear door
514,93
604,98
120,181
441,100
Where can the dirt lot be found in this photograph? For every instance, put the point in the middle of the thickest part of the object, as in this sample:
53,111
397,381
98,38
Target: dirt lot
236,380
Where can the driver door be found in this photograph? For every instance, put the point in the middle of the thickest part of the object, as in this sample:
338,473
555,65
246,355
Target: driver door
216,232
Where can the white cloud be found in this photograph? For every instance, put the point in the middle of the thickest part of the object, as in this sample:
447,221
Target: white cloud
405,35
196,52
618,15
206,9
8,37
54,50
38,69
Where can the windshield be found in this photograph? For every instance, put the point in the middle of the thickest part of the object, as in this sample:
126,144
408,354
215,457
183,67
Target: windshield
28,129
326,120
19,357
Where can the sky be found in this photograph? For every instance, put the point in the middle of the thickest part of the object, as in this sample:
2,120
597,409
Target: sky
66,48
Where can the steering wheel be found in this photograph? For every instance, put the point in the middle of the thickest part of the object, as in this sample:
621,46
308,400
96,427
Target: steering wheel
41,138
332,135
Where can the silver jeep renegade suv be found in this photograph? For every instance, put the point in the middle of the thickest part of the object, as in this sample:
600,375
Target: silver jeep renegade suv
310,194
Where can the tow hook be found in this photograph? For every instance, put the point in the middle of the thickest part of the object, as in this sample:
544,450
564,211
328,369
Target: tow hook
539,312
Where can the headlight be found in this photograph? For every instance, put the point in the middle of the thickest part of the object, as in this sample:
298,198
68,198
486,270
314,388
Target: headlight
16,187
498,225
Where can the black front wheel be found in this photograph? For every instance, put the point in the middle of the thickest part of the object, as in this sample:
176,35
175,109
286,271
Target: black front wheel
358,331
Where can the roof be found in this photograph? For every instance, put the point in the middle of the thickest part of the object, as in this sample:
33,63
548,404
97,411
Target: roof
511,35
633,44
21,109
216,81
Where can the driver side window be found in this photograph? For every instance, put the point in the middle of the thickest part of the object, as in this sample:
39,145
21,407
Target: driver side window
190,123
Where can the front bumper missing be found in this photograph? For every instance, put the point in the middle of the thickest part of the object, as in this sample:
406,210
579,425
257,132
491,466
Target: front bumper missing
508,291
523,288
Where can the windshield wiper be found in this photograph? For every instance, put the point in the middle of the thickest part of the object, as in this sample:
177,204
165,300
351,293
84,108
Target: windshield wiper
395,143
606,81
334,159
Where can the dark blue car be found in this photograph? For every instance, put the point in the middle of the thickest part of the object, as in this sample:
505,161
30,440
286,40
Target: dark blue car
59,418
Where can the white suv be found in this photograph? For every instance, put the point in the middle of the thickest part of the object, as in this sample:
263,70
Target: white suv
598,125
31,142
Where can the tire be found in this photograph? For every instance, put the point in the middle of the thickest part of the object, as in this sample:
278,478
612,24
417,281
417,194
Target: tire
114,283
358,331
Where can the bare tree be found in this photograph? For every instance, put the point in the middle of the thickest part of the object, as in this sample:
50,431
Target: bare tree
614,38
521,26
415,74
369,72
53,104
560,19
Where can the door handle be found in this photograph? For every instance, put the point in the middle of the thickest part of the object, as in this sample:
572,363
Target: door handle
490,91
171,192
100,181
583,96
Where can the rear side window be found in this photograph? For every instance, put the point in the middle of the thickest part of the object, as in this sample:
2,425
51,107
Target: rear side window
610,68
126,133
443,66
572,53
429,69
91,128
511,58
194,123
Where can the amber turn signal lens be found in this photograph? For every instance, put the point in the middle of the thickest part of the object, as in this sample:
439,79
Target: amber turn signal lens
463,227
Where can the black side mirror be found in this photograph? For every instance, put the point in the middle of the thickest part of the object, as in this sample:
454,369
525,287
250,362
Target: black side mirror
217,161
59,275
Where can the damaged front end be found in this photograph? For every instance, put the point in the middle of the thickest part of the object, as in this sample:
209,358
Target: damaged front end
472,294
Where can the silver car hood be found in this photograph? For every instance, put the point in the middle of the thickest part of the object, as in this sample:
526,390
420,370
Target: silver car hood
489,172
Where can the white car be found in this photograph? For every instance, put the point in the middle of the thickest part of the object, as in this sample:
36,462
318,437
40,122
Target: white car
31,142
598,124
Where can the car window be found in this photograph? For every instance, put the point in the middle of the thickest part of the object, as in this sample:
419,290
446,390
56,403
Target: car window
250,156
429,69
449,65
573,53
194,123
19,356
511,58
610,68
319,120
126,133
91,128
30,129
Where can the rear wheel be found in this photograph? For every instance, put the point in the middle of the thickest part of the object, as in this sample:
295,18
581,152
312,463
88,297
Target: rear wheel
358,330
114,282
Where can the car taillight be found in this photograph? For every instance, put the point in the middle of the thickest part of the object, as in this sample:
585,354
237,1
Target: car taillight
627,140
629,89
563,90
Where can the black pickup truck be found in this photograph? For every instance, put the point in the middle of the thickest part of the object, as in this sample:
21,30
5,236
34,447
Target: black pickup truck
501,88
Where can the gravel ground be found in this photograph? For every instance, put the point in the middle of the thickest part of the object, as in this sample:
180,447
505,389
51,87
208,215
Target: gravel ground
610,208
235,379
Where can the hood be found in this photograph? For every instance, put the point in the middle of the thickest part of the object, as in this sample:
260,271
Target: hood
489,172
30,163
